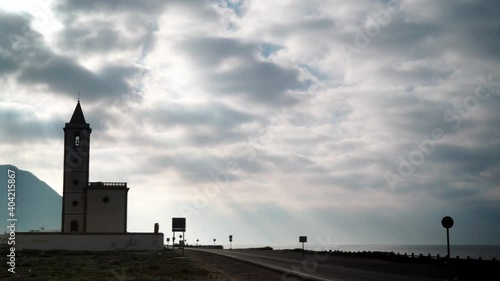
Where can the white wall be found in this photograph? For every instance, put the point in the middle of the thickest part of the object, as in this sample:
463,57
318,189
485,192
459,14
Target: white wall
89,241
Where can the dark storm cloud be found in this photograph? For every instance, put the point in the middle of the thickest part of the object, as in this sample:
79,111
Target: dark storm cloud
256,80
450,194
468,27
211,51
36,64
13,28
9,25
409,39
474,26
204,124
261,81
468,161
7,65
63,75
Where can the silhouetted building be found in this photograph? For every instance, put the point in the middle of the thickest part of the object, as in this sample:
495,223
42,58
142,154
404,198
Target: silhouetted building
88,206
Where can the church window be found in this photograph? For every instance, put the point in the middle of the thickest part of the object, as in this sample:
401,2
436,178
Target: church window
105,199
77,140
73,226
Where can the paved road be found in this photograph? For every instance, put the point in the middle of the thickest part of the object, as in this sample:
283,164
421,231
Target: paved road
326,267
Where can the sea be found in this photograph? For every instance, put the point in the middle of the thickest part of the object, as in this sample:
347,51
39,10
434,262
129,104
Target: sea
486,252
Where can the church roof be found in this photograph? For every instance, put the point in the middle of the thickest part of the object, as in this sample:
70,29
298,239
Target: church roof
78,117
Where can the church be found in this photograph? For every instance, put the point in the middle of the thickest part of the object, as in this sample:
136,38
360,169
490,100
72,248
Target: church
88,206
94,214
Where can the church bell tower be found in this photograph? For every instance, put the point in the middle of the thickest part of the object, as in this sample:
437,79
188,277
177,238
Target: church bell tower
76,172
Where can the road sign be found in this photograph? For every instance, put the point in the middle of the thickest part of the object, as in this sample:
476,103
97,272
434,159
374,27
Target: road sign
179,224
447,222
303,239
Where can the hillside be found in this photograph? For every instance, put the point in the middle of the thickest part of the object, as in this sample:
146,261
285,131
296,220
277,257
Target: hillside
37,204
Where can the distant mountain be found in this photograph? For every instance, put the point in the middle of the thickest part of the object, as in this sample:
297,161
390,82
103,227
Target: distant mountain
37,204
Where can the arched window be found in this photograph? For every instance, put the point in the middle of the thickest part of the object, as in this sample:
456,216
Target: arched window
77,141
73,226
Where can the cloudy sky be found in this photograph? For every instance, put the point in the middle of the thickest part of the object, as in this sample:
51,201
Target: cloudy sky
352,122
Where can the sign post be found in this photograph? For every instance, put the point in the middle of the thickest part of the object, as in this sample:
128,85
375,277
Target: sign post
303,239
447,223
178,225
230,242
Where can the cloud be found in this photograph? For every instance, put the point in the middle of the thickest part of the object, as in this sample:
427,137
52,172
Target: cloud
196,87
192,114
238,71
100,36
21,125
63,76
117,6
35,64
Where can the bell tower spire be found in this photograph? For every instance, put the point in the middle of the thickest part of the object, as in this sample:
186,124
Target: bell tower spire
78,117
76,172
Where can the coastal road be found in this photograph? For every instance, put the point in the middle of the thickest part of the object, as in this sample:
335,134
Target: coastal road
322,266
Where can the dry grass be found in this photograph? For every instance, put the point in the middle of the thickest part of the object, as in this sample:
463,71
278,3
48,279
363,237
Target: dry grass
115,266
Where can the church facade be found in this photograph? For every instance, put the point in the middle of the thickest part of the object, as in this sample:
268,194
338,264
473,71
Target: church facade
94,214
88,207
